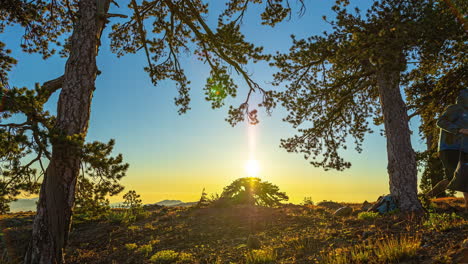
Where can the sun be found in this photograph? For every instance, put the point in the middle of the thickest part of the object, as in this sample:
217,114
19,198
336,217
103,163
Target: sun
252,168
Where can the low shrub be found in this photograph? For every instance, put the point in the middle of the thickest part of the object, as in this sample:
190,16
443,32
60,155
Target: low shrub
443,222
131,246
123,216
170,256
145,250
307,201
164,257
368,215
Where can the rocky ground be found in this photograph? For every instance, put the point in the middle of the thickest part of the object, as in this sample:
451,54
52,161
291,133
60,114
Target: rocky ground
244,234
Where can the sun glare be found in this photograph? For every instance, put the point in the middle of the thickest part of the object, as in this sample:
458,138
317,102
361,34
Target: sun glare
252,168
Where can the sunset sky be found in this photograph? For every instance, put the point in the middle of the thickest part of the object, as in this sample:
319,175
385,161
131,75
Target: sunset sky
175,157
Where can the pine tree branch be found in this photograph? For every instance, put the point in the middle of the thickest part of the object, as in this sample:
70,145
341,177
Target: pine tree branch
50,87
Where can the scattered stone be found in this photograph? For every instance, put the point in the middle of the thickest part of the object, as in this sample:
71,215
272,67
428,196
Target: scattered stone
367,234
344,211
253,242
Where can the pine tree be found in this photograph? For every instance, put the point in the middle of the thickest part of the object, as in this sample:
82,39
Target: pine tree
252,191
440,72
339,81
204,201
175,26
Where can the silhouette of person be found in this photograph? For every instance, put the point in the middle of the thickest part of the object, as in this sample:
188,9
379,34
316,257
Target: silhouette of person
453,145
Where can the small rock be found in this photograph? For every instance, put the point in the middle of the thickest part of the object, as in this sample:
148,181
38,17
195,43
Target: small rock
344,211
367,234
253,242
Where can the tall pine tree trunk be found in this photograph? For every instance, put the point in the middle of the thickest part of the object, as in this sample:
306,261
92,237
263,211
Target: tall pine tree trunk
401,156
54,210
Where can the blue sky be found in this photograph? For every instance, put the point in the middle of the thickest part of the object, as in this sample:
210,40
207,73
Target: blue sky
175,156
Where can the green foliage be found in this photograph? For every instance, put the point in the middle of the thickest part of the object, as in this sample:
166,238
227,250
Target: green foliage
43,29
132,201
252,191
22,156
100,179
443,222
204,200
331,90
435,83
224,48
90,203
185,258
170,256
368,215
261,256
133,211
176,28
131,246
25,128
145,250
308,201
120,216
431,166
164,257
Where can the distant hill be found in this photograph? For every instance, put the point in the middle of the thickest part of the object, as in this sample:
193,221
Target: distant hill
24,205
169,202
30,204
175,203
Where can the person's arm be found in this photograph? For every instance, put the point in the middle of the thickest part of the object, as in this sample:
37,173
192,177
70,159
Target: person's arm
447,121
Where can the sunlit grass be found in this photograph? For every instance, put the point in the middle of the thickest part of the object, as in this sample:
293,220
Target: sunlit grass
388,250
261,256
368,215
393,249
306,244
337,256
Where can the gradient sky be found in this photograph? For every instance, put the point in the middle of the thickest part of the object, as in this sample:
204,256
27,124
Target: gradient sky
175,157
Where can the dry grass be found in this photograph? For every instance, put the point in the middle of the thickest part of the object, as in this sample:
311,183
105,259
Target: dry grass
261,256
290,234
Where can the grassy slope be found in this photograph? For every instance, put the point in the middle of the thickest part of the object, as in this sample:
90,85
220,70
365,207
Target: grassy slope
298,234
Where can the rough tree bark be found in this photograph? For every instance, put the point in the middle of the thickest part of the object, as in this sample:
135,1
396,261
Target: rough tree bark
401,156
52,222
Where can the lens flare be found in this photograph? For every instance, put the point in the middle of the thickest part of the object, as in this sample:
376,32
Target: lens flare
252,168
